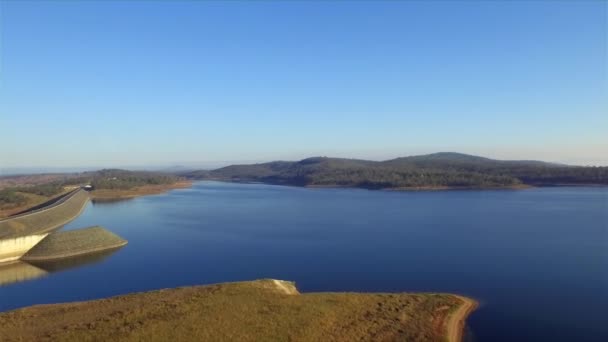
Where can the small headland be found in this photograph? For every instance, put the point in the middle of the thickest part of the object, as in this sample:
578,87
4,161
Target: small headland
260,310
109,195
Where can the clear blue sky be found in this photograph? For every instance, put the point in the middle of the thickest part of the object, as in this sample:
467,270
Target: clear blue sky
162,82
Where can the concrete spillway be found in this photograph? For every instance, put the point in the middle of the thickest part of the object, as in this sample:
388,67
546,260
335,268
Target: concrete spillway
13,249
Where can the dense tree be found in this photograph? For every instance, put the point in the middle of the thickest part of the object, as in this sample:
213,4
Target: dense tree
123,179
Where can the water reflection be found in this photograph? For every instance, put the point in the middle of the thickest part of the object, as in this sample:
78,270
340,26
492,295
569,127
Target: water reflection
19,271
109,201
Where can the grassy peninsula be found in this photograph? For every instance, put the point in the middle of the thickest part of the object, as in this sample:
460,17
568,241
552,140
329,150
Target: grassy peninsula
72,243
445,170
100,195
263,310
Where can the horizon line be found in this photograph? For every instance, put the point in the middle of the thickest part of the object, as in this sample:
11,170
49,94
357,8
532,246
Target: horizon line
213,164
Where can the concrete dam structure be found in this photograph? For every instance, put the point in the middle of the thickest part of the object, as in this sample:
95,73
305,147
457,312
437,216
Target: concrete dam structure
45,219
14,248
21,234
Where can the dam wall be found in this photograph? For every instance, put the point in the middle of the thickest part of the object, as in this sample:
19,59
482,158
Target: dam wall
31,236
14,248
46,219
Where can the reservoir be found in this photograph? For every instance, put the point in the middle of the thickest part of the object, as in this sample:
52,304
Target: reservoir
535,259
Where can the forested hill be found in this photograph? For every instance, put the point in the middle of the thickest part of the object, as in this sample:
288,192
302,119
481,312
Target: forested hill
438,170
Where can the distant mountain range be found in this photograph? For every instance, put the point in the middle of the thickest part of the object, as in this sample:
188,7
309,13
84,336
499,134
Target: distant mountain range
431,171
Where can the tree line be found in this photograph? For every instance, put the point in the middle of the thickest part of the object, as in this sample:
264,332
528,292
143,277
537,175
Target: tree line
103,179
439,170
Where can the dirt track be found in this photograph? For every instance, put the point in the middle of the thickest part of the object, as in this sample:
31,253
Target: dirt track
455,324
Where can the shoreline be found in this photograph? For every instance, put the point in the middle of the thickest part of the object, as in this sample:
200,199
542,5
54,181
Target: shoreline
102,195
457,320
396,189
411,189
457,188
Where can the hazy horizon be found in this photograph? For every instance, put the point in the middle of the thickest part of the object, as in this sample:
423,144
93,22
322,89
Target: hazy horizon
140,84
201,165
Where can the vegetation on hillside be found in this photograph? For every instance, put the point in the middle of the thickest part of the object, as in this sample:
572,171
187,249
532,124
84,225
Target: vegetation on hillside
14,198
122,179
428,171
50,189
10,198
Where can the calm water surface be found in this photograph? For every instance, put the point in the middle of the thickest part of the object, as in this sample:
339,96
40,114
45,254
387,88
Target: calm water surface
537,259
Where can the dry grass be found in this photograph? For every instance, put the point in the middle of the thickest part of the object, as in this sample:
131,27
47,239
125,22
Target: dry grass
245,311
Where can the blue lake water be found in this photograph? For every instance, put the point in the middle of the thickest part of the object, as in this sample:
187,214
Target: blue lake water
537,259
